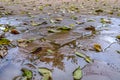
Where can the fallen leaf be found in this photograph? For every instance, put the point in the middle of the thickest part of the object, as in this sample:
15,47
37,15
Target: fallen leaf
4,41
21,40
2,8
111,12
14,31
86,58
118,36
74,8
20,78
41,7
48,5
77,74
52,21
90,20
35,24
27,73
118,14
2,28
97,47
38,23
64,28
6,27
7,12
72,25
53,31
91,28
24,42
96,0
36,50
74,17
99,11
46,77
58,19
79,23
50,51
3,51
118,51
80,54
46,73
104,21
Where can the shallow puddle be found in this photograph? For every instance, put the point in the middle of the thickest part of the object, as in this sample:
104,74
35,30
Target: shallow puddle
57,50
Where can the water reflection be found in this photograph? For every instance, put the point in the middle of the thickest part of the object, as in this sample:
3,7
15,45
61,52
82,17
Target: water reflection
56,59
63,59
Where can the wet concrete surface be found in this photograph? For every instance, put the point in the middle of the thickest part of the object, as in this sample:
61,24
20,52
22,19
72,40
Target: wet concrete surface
100,71
106,64
35,30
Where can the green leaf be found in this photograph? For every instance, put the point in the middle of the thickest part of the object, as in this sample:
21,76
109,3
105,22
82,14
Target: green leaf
41,7
79,23
118,14
96,0
99,11
118,51
20,78
59,19
46,73
86,58
6,27
4,41
74,17
90,20
53,31
104,21
35,24
50,51
80,54
77,74
72,25
74,8
27,73
52,21
118,36
46,77
64,28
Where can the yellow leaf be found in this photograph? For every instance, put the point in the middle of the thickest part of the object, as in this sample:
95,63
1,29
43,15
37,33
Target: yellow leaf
97,47
118,36
77,74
